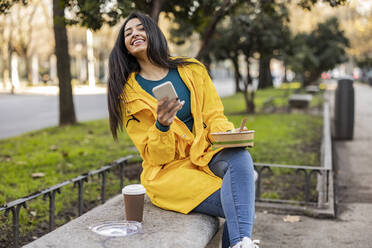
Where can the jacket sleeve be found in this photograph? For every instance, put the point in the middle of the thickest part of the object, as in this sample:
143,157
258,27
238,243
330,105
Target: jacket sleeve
155,146
213,110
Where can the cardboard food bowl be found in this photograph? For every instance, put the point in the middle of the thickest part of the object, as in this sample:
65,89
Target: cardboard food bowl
229,139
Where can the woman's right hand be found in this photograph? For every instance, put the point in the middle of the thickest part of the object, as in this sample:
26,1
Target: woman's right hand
167,111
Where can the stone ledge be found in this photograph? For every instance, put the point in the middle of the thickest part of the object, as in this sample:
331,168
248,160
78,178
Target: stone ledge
162,229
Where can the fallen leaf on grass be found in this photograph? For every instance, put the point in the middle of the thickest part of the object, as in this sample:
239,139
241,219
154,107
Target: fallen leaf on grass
291,218
64,154
37,174
53,147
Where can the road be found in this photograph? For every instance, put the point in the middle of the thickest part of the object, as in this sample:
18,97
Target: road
24,113
21,113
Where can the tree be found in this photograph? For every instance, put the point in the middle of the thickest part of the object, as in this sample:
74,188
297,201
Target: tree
7,30
270,27
308,4
235,37
225,46
358,28
5,5
319,51
23,35
66,104
201,16
248,46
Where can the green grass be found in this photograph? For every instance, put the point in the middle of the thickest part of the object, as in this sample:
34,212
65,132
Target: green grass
284,138
236,103
59,153
62,153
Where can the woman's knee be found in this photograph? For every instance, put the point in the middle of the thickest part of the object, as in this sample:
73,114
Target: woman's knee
238,158
242,161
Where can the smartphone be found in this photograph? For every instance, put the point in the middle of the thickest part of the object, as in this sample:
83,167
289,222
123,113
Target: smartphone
165,90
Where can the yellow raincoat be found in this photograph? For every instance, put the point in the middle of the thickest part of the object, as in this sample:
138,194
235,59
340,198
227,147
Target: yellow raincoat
175,163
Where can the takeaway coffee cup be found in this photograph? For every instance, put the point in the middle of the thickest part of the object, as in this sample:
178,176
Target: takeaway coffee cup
134,196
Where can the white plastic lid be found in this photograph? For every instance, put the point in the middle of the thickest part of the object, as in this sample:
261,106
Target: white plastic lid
117,228
134,189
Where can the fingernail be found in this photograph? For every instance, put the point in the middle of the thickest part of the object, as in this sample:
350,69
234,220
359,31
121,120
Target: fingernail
182,102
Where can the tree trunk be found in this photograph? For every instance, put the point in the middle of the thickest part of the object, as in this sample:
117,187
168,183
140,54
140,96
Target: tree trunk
249,95
66,104
210,29
90,53
157,5
28,69
265,79
35,69
5,68
14,62
310,78
237,75
285,79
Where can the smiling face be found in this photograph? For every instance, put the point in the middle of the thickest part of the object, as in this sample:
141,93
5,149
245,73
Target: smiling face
135,38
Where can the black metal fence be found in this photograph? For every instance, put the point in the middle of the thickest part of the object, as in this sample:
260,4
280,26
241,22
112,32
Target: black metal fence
307,171
324,206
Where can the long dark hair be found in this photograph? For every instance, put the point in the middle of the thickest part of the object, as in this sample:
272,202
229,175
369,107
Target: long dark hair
122,64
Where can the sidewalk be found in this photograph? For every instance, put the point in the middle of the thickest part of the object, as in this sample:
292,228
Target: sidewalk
225,87
353,226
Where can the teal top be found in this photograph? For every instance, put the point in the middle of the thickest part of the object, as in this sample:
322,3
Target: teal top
184,114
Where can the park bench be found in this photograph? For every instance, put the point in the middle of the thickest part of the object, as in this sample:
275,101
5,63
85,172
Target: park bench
300,101
312,89
160,229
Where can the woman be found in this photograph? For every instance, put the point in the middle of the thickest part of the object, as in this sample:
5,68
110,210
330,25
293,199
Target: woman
181,172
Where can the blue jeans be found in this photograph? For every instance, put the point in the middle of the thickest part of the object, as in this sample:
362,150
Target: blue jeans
235,200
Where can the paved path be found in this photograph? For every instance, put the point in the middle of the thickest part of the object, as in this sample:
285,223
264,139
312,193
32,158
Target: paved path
353,227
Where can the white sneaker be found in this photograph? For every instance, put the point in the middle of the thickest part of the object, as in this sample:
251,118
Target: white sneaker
237,245
248,243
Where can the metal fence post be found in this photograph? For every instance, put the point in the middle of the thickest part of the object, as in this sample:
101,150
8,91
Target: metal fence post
15,222
52,195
